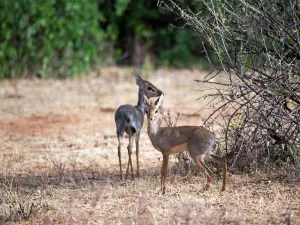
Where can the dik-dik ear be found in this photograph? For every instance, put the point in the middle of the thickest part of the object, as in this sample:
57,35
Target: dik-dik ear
139,80
146,101
159,101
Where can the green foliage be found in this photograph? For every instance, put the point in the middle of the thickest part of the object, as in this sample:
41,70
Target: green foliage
126,20
54,38
177,48
48,37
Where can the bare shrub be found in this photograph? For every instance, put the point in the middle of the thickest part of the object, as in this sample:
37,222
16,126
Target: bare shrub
10,165
257,43
20,204
169,120
57,166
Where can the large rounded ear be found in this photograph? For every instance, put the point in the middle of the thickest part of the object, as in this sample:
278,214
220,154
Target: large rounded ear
139,80
159,101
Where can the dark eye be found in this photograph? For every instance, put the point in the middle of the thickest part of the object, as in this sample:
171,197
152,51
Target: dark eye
156,111
150,89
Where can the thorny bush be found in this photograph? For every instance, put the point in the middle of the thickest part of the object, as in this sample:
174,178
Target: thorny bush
257,43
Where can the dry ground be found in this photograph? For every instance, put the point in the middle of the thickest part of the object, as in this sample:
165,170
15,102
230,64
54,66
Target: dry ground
58,156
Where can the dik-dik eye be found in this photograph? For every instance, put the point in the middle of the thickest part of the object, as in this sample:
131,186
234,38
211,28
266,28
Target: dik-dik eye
150,89
156,111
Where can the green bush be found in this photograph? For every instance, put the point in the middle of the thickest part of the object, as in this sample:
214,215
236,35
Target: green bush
126,20
48,37
178,48
58,38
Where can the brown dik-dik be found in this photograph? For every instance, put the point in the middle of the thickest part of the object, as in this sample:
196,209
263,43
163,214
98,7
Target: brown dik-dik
130,119
198,141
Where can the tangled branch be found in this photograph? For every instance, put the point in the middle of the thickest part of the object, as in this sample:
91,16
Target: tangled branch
257,43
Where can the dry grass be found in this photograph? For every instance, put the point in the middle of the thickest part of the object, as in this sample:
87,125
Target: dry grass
59,164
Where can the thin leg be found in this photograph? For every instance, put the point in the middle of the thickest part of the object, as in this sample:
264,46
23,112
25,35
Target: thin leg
129,148
128,164
224,163
201,164
164,171
119,154
137,139
209,174
224,175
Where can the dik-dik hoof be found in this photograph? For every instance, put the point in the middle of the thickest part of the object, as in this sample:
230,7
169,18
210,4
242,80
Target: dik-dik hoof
132,177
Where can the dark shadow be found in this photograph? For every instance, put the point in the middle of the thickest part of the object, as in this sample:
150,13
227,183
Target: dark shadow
74,178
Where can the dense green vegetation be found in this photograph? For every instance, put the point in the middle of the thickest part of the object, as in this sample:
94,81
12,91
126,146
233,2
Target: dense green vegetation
59,38
48,37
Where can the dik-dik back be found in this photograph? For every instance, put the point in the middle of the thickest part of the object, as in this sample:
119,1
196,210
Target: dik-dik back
178,139
129,119
183,138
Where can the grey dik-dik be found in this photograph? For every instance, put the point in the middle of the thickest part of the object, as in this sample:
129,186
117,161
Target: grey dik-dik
130,119
196,140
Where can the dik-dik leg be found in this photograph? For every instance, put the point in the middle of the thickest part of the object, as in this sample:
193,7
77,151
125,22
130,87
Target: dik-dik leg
137,139
164,172
199,160
119,154
129,148
223,162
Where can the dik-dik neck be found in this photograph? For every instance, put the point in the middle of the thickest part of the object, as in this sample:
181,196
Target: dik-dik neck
141,103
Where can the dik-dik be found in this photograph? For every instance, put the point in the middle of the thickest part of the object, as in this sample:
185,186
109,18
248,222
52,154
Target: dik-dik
130,119
196,140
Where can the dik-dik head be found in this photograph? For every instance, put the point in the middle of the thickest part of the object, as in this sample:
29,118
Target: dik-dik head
148,89
153,108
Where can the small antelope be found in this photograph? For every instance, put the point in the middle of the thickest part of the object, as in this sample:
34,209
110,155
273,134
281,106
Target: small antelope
130,119
198,141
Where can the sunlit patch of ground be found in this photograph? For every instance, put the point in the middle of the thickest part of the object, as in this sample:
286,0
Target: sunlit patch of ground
58,150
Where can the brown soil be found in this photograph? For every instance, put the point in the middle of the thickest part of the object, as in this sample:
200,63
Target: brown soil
45,125
58,147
